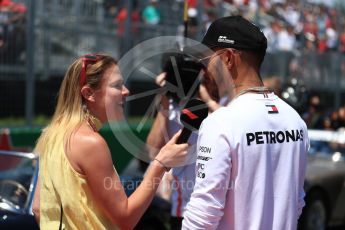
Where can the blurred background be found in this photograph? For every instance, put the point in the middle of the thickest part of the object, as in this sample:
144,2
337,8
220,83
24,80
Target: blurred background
305,58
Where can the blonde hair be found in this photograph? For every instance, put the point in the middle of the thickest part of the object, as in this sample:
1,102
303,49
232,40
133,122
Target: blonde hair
70,111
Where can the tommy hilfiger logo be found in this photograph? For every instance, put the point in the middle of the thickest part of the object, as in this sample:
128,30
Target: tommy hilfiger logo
225,40
272,109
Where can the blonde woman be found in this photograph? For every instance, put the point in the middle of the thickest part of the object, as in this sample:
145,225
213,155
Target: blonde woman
75,161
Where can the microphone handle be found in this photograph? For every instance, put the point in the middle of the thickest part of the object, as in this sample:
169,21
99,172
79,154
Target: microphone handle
185,134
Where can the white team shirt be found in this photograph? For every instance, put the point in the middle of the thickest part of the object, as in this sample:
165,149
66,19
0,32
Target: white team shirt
250,167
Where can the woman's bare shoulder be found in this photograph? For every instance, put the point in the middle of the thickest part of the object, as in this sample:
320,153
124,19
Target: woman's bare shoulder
87,147
85,138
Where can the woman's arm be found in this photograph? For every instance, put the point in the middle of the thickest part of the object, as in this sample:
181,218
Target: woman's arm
106,186
158,135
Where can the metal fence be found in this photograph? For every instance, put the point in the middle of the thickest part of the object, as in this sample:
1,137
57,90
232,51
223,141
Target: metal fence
36,50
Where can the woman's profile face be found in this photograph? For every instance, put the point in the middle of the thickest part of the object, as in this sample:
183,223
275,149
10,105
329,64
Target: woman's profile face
111,96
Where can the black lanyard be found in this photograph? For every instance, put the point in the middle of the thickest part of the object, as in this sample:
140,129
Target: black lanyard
60,226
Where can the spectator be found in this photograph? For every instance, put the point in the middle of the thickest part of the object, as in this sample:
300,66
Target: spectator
12,31
334,118
287,39
342,40
110,8
313,117
341,117
151,14
5,11
291,15
192,30
122,17
272,35
331,39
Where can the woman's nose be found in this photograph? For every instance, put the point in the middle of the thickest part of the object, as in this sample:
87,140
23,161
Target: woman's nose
125,91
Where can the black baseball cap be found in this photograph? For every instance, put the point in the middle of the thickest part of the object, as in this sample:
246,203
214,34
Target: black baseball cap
231,32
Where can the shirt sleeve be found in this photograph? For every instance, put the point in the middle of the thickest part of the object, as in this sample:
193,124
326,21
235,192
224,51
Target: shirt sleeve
301,192
213,169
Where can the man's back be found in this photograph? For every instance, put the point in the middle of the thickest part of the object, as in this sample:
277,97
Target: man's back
250,167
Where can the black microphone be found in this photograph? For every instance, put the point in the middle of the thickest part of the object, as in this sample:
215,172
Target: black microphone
191,117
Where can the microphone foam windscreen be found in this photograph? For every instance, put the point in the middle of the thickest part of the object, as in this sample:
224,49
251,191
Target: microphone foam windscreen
183,72
193,114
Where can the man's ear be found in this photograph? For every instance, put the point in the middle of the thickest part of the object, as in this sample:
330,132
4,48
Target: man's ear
229,58
87,93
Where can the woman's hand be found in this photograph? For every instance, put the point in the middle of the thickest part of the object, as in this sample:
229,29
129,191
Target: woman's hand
161,79
172,154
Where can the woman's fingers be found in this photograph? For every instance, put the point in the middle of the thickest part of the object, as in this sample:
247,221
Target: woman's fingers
160,79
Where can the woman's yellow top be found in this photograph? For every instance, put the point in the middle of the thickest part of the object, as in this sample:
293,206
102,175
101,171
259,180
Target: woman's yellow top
62,185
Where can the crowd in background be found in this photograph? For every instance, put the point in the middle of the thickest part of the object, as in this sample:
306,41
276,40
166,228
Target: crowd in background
12,31
316,117
311,105
290,26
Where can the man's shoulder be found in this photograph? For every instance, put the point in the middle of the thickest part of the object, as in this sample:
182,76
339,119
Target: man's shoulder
218,118
288,108
218,114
